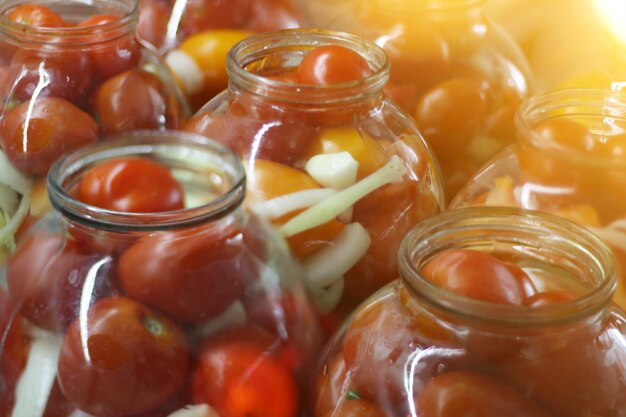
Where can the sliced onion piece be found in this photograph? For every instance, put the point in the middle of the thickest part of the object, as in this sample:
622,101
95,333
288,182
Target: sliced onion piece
9,200
12,177
324,266
284,204
326,299
333,170
7,232
186,70
34,386
233,316
200,410
331,207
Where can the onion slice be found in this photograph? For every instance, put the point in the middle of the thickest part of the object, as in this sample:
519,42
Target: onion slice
200,410
35,384
331,262
186,69
331,207
10,228
333,170
12,177
284,204
326,299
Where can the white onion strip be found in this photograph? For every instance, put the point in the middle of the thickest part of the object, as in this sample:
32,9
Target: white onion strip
326,299
186,69
331,207
12,177
284,204
34,386
331,262
8,230
200,410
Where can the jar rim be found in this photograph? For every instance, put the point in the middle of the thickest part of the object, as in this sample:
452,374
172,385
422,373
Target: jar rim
542,106
33,37
263,44
182,144
422,242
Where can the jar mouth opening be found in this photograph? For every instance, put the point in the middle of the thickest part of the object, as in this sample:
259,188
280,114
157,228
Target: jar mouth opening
288,47
200,162
600,109
532,235
50,37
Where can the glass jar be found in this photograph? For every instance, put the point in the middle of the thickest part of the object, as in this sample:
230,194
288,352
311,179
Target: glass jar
353,221
570,160
62,87
417,349
460,75
116,313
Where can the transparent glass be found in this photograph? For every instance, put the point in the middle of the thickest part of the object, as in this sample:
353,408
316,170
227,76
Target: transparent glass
570,160
456,72
62,87
416,349
117,314
355,224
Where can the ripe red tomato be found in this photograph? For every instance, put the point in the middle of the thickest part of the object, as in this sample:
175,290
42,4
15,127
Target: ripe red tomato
200,15
546,298
34,135
42,73
474,274
457,394
257,130
330,385
355,408
238,375
269,15
112,56
332,64
133,100
131,185
36,15
124,359
46,275
192,274
153,18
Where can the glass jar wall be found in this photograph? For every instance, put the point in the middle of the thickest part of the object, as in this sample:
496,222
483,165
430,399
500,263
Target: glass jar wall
544,340
569,161
119,313
339,168
456,72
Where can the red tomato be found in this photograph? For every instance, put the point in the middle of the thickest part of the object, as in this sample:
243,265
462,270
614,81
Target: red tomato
524,281
332,64
123,359
133,100
257,130
111,56
193,274
153,18
41,73
36,15
34,135
546,298
46,275
474,274
200,15
131,185
457,394
269,15
238,376
330,385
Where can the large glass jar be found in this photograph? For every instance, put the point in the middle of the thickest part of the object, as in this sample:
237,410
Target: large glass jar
417,349
460,75
117,313
338,167
570,160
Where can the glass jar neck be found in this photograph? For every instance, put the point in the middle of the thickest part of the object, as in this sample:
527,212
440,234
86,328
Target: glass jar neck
212,177
280,52
73,11
530,238
603,112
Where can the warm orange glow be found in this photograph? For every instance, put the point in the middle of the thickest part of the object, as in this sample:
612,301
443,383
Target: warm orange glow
614,14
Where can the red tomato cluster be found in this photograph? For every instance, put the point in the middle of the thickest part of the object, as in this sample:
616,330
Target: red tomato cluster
141,348
56,96
398,358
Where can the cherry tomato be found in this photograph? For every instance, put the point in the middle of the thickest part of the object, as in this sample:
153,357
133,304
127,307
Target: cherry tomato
456,394
355,408
133,100
269,15
131,185
330,385
474,274
153,18
46,275
40,73
524,281
546,298
34,135
239,377
111,57
192,274
566,133
332,64
200,15
36,15
123,359
256,130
